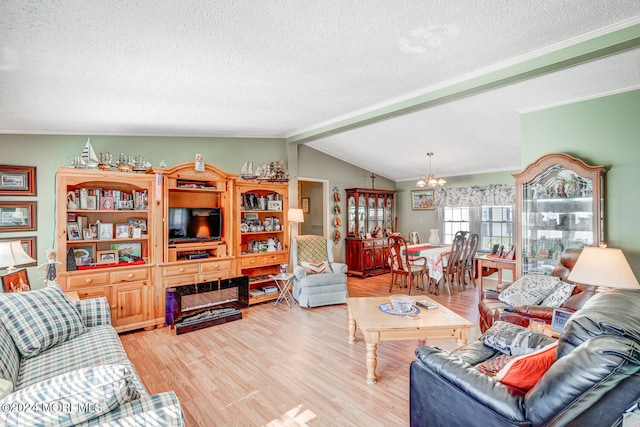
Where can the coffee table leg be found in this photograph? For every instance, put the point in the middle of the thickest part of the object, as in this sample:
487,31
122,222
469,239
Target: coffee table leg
352,329
463,337
371,363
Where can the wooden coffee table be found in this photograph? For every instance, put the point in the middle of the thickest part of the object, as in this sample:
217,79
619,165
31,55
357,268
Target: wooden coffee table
377,326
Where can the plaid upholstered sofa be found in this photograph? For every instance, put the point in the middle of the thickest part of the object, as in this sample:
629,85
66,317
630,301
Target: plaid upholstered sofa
318,280
62,364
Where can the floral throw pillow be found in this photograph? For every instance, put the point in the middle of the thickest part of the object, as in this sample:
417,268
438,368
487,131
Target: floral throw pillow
559,295
513,340
530,289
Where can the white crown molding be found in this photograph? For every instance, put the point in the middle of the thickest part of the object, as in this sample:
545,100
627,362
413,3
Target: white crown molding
576,99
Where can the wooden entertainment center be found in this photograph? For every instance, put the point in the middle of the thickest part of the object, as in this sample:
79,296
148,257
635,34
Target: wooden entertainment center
155,257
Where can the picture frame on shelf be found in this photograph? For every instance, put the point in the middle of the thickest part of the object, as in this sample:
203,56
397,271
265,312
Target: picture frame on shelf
122,231
125,205
105,231
86,234
18,216
305,205
140,223
107,257
15,281
128,251
17,180
274,205
136,233
73,231
91,203
423,200
106,203
94,230
30,246
84,254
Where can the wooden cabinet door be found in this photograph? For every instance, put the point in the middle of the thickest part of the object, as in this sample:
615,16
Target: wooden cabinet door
130,303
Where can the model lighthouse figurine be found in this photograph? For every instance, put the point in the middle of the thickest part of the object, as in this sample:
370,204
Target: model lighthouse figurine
50,267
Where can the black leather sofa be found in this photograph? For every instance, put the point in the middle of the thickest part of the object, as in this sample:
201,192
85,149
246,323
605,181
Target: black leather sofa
594,379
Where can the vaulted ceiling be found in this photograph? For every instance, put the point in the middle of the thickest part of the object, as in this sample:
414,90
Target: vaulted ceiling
377,83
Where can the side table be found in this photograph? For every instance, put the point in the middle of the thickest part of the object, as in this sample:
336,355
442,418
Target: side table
285,286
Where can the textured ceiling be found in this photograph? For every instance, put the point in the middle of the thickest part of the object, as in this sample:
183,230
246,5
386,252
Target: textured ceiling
283,68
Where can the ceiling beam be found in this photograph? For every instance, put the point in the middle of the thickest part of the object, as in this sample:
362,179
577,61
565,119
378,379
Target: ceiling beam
504,74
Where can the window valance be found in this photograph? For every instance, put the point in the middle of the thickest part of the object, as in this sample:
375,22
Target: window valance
488,195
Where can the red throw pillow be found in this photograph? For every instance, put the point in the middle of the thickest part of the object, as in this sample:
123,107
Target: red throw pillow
523,372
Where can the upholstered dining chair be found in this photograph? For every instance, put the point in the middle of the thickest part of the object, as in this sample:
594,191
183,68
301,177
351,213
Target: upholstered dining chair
401,266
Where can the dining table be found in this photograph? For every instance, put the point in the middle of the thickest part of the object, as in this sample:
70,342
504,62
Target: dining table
436,255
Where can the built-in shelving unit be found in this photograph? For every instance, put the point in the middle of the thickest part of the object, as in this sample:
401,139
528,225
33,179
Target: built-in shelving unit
262,235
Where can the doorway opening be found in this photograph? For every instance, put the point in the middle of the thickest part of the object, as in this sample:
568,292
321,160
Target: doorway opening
313,195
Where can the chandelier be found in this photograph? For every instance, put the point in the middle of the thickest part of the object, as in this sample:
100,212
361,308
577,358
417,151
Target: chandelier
431,180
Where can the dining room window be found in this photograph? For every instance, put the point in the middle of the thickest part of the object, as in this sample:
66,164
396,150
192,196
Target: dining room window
455,219
496,227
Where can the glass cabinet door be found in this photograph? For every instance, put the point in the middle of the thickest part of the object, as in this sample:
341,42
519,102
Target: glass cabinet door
362,212
559,207
380,213
388,215
371,214
351,216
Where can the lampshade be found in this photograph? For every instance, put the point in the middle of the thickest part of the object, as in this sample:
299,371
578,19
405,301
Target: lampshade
12,254
603,267
295,215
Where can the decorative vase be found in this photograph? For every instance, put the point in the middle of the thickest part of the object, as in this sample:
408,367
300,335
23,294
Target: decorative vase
434,238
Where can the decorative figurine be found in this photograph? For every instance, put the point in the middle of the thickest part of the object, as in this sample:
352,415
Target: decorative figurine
199,163
50,267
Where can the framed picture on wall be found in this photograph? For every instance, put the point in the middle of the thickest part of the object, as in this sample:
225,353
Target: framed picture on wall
17,181
18,216
422,200
16,281
305,205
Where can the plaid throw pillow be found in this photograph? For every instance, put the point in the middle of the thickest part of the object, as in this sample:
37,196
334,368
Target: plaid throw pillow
312,249
77,396
40,319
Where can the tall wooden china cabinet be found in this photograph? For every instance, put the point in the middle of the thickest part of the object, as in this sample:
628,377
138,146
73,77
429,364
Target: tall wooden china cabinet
559,205
370,215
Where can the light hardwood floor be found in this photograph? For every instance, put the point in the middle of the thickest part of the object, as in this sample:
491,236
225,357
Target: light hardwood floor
281,366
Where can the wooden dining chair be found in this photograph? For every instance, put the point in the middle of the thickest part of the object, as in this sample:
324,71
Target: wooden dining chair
450,271
467,261
412,271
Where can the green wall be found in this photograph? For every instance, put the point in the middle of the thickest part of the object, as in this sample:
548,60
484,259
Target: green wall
602,131
47,153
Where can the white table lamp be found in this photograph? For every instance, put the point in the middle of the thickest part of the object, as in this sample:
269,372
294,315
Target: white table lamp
12,254
602,266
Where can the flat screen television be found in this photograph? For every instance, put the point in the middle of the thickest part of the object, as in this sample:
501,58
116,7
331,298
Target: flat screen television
194,224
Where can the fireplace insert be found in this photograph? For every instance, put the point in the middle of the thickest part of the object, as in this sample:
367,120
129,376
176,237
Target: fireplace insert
200,305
